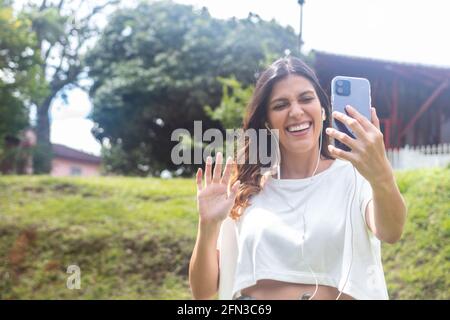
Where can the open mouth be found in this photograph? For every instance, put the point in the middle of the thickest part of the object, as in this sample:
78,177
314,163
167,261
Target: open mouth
300,128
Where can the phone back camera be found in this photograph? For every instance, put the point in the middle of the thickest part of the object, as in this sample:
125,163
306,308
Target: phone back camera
342,87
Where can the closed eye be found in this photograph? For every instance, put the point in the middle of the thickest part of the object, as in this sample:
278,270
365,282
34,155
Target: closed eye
280,105
284,104
307,99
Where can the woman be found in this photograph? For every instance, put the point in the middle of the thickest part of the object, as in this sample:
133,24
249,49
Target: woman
312,229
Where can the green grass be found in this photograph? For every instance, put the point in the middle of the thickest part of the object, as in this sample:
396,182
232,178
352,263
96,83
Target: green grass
132,238
418,266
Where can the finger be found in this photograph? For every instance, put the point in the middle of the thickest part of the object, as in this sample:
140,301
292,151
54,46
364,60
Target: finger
234,190
340,154
227,172
375,120
351,123
217,168
199,180
363,121
208,171
342,137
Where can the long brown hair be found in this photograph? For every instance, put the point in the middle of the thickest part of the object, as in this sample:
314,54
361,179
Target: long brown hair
256,115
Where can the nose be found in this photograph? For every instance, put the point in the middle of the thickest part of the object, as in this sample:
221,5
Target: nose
296,110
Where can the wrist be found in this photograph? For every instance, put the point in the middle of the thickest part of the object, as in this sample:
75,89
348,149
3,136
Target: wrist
383,182
209,225
384,177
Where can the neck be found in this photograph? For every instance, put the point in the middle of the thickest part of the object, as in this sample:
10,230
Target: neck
300,165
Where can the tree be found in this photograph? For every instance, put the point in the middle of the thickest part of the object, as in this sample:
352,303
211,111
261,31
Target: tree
63,30
230,111
20,74
156,66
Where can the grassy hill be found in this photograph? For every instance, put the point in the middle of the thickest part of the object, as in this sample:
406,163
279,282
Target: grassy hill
132,238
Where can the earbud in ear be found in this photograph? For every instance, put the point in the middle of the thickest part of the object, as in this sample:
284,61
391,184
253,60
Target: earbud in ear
267,125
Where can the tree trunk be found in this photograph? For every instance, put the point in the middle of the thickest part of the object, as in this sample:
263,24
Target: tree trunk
43,153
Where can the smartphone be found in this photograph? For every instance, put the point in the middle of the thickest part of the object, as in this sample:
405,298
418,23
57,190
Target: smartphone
349,91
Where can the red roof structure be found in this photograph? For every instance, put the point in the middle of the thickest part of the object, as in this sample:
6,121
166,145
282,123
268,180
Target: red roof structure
412,100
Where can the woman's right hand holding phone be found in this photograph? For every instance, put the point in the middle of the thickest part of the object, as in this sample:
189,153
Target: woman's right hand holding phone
214,201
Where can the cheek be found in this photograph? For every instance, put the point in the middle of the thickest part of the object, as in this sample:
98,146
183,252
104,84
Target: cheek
318,121
276,118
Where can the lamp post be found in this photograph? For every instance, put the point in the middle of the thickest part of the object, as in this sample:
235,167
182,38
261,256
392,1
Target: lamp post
300,40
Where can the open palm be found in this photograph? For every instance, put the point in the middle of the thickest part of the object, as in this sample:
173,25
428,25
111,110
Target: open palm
214,201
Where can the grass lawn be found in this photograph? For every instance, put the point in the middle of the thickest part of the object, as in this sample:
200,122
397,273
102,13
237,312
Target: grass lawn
132,237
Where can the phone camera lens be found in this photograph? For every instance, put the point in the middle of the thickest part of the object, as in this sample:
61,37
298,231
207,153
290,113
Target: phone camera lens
342,87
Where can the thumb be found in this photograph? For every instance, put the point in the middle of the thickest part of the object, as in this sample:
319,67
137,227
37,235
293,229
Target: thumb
234,190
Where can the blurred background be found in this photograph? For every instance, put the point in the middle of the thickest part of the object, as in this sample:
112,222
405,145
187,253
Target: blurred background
91,91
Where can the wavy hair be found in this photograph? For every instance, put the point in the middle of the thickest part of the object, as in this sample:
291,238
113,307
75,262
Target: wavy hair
248,174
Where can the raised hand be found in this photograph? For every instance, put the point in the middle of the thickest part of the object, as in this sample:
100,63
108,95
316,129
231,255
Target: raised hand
368,153
214,200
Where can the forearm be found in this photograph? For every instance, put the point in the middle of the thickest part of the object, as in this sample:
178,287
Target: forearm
203,266
389,209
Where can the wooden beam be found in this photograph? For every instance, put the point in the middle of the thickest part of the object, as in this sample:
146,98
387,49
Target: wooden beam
410,76
424,107
441,118
386,124
394,110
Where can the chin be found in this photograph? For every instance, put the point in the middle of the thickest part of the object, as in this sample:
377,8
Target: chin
303,146
300,146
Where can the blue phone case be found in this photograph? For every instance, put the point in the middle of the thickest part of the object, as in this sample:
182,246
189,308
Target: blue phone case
354,92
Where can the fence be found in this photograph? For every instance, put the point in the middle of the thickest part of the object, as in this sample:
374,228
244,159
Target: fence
411,157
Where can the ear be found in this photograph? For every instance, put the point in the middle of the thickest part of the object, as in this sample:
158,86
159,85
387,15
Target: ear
323,114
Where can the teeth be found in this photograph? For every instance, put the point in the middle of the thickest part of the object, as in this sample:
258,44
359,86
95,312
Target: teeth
299,127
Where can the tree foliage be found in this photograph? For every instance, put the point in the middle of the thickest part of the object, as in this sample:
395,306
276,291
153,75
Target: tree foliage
231,109
155,68
21,79
63,30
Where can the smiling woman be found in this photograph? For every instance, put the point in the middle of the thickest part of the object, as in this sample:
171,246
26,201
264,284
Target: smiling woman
310,229
295,110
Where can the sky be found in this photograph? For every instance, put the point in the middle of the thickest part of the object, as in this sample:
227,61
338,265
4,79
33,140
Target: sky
410,31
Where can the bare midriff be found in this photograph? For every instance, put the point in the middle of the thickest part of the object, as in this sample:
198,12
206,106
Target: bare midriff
278,290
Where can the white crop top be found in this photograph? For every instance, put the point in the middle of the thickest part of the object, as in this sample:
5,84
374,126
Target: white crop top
265,243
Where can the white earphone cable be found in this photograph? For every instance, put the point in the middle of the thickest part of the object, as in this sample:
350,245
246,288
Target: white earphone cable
278,165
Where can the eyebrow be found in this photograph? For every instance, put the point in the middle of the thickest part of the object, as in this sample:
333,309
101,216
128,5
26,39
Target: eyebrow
282,98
